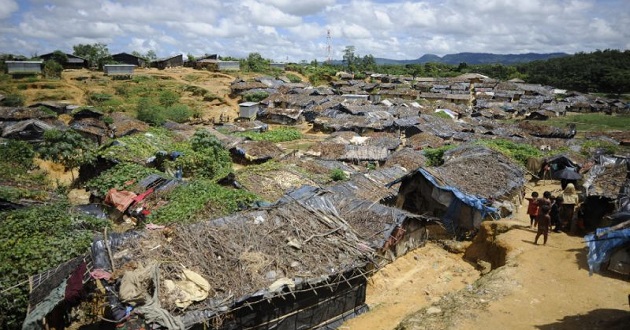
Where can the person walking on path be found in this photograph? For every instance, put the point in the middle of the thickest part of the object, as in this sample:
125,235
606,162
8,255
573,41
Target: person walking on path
543,223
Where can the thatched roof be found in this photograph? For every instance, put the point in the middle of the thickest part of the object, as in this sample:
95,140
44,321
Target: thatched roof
92,126
22,113
479,171
408,158
31,130
124,124
251,254
608,181
547,131
257,150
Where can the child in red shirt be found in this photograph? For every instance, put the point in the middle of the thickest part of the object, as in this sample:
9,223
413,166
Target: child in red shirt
532,209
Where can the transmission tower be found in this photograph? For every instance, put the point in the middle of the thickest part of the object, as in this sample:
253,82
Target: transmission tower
328,47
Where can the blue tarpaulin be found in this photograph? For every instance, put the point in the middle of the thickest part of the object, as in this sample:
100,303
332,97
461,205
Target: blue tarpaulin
455,206
603,244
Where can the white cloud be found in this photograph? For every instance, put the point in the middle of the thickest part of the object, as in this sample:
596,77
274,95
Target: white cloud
7,7
401,29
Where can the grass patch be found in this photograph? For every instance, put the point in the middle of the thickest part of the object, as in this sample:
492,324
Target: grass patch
435,156
589,122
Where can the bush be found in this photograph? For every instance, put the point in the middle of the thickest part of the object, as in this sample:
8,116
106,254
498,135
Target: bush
149,112
18,153
98,98
52,69
294,78
435,156
255,96
207,158
178,113
12,100
338,175
168,98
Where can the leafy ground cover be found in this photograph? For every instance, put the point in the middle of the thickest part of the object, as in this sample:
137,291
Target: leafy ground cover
281,134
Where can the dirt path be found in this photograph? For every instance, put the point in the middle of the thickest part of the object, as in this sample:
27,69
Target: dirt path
541,287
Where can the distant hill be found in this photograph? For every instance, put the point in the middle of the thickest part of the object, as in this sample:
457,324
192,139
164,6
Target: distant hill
474,58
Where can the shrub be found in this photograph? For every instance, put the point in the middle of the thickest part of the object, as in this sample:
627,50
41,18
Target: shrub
98,98
255,96
338,175
294,78
168,98
52,69
12,100
435,156
18,153
149,112
178,113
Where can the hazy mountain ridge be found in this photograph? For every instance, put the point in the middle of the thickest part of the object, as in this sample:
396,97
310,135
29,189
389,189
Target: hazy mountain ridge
474,58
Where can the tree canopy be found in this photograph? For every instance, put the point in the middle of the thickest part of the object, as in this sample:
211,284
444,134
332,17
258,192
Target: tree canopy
96,54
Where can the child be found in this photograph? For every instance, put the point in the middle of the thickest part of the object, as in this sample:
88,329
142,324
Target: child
554,214
532,209
543,223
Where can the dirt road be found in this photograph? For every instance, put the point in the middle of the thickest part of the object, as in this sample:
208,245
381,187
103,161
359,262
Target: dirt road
540,287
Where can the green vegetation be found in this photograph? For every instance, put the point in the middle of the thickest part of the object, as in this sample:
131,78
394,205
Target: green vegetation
294,78
435,156
206,158
52,69
200,199
255,96
606,71
117,176
589,122
67,148
137,148
519,152
12,100
591,146
96,54
33,240
281,134
338,175
158,113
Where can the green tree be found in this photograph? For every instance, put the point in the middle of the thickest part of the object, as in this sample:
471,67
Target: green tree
97,54
349,58
59,57
52,69
151,55
256,63
67,148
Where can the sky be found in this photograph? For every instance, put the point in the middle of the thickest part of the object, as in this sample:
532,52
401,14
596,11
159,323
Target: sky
297,30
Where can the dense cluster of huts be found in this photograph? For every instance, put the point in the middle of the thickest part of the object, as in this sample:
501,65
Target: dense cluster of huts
303,260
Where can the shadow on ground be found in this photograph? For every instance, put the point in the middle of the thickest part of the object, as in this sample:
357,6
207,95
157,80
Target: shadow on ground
613,319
